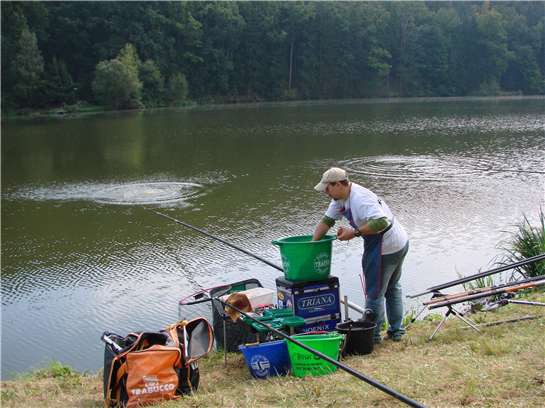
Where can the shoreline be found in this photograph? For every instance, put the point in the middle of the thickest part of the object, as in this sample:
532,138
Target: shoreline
87,110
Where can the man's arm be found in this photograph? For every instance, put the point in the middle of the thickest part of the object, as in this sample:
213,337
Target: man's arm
323,226
370,228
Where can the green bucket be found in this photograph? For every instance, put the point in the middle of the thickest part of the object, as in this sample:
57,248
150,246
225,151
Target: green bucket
304,259
304,363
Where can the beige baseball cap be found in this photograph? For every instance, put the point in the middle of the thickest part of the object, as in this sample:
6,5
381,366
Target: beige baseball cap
330,176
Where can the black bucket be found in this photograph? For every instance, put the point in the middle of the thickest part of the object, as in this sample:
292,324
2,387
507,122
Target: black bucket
359,336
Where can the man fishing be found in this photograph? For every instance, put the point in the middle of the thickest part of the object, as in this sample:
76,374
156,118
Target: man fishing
385,244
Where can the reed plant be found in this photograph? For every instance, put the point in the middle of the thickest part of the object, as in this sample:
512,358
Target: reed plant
527,241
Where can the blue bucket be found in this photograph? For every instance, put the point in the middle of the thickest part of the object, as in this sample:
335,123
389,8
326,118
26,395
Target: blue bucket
267,359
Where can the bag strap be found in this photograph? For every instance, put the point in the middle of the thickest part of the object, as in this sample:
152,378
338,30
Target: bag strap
172,330
122,367
121,371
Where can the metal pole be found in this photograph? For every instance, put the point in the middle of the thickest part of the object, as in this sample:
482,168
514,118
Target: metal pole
346,317
353,306
525,302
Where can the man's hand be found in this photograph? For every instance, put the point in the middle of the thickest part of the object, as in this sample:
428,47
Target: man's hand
345,234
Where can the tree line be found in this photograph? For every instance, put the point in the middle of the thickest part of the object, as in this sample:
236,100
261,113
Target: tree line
144,54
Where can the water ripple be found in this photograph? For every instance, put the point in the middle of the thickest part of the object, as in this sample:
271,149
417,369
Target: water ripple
444,168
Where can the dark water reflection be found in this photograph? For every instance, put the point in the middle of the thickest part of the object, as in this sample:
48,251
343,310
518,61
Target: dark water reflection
458,174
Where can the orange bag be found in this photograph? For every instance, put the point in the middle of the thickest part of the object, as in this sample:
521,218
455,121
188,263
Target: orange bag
149,367
151,375
142,372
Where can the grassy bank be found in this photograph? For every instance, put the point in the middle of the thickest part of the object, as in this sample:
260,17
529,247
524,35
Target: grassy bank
79,110
503,366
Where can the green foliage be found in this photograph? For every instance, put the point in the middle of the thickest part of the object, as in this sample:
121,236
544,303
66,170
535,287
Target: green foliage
116,83
248,51
527,241
176,91
29,67
129,58
153,83
484,282
59,86
55,370
409,317
113,86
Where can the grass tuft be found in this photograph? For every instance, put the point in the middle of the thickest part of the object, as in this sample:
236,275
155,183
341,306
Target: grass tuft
525,242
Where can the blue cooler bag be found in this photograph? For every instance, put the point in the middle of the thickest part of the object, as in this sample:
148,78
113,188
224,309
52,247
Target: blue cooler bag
267,359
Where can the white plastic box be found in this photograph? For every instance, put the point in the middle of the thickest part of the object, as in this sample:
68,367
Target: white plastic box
257,296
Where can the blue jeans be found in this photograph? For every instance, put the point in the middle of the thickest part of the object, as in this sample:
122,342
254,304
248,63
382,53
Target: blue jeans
384,284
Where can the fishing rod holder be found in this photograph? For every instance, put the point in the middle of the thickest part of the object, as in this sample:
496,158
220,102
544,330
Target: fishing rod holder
452,311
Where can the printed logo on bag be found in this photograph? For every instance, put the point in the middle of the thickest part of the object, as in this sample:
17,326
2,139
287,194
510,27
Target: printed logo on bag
321,263
152,385
315,303
260,365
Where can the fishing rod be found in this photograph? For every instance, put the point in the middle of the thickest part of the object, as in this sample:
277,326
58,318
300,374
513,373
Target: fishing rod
450,296
185,224
336,363
465,279
491,292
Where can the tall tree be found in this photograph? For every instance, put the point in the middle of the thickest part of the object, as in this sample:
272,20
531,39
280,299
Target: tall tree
222,26
29,67
493,54
176,90
152,83
13,24
59,86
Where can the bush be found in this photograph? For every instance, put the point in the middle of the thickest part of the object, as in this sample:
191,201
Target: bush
115,87
116,83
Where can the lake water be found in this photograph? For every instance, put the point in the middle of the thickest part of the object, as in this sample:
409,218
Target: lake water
80,253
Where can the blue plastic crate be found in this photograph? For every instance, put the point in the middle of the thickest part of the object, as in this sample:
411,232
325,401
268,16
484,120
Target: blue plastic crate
267,359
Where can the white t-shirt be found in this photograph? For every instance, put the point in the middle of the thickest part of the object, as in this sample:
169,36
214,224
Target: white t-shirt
363,205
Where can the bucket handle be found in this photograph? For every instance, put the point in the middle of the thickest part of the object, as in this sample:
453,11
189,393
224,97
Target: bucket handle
345,340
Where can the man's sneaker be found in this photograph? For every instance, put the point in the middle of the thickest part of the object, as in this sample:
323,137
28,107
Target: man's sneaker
377,340
395,336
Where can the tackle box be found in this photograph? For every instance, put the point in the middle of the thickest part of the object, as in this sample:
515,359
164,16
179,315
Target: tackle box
318,302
